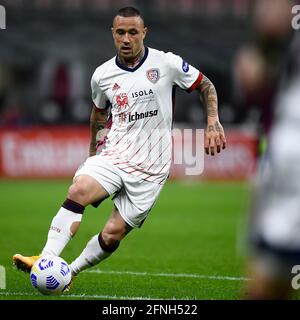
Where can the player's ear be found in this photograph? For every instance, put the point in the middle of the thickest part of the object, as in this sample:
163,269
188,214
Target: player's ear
145,30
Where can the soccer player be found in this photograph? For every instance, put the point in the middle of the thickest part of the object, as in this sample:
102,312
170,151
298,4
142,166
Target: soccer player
274,260
136,87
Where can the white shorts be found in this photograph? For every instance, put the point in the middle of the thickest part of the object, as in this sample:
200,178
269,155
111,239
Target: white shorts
133,197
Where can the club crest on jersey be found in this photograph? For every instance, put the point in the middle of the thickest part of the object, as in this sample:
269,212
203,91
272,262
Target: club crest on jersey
153,75
122,101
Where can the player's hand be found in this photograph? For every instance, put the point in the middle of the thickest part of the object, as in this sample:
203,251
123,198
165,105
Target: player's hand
214,138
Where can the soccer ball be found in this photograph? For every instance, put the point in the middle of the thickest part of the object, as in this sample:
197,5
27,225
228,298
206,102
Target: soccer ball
50,275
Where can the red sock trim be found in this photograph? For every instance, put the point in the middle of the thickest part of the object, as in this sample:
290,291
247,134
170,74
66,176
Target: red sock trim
73,206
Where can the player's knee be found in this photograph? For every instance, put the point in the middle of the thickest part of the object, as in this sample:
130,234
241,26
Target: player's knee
77,193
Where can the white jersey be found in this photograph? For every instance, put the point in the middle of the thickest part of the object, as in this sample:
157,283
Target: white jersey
141,99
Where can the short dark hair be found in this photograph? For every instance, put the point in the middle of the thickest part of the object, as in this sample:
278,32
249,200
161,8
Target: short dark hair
129,12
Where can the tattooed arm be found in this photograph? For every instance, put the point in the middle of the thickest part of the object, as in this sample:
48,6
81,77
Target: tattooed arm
214,133
98,120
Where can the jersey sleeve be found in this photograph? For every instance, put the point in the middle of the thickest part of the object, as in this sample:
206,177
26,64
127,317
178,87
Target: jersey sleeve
185,76
98,96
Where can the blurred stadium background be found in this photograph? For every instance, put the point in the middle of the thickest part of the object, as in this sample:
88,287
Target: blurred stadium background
48,53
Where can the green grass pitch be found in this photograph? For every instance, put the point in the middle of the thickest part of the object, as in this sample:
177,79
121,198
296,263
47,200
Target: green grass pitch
188,248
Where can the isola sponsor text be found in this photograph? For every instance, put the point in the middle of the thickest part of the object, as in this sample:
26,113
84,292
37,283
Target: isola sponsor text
142,93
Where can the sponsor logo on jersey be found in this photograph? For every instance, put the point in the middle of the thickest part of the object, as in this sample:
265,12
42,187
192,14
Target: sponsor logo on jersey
153,75
116,87
141,93
137,116
185,66
122,117
122,101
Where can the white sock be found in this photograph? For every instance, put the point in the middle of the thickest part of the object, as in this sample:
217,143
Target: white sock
90,256
60,234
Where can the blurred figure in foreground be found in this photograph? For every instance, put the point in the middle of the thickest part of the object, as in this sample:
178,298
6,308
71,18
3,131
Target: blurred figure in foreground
274,228
275,220
258,64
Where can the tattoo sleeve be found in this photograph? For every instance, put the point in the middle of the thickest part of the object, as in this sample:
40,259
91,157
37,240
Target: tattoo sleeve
98,120
208,97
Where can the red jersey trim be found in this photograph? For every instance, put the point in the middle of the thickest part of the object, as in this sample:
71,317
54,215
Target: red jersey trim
195,84
97,109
